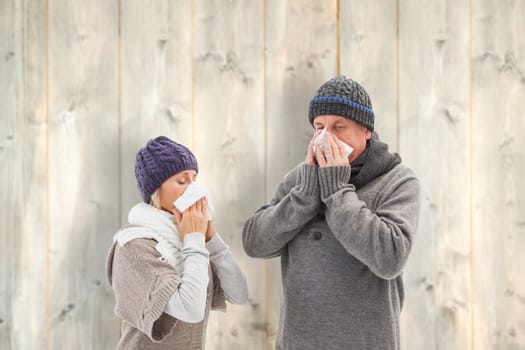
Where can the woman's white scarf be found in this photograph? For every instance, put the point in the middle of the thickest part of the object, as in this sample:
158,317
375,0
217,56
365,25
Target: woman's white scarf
146,221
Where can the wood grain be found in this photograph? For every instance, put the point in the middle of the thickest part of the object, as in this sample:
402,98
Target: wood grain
23,189
368,54
83,171
434,142
83,85
229,143
498,165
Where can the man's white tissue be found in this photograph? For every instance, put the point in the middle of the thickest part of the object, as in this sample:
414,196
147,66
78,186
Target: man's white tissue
193,193
319,142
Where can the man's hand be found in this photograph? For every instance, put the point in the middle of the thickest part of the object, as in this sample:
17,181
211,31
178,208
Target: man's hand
193,219
310,156
333,154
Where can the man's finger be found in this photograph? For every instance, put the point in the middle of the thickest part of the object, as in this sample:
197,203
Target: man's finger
316,133
334,145
320,156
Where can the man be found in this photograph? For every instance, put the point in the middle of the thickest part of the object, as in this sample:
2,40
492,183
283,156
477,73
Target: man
343,227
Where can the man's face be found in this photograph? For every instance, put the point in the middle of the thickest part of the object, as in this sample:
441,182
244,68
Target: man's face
346,130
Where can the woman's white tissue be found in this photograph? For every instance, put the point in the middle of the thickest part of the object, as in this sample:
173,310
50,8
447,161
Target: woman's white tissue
192,194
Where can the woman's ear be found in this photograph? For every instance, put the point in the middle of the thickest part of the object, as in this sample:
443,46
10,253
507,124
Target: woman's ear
368,134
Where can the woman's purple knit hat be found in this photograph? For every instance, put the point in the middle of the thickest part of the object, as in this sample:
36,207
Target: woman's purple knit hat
159,160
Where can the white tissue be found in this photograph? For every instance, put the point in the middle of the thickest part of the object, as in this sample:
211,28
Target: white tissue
319,141
192,194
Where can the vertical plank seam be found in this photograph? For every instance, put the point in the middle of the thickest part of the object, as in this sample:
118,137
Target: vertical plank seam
265,142
398,107
265,99
471,175
192,56
48,234
119,87
337,38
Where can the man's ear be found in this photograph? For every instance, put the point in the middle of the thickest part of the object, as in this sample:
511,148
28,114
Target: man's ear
368,134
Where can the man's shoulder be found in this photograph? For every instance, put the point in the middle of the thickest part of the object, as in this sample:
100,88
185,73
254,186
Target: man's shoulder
403,171
398,175
403,178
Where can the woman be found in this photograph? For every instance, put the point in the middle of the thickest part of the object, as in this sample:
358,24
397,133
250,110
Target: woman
168,269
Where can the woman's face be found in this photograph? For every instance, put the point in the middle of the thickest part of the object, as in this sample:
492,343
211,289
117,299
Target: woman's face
174,187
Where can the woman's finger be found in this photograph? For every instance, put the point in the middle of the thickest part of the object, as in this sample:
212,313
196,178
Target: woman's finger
191,210
204,205
198,205
177,215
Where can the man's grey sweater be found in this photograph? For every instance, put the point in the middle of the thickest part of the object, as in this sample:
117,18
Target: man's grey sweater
342,254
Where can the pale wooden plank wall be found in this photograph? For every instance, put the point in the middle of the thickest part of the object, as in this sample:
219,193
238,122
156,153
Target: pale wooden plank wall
23,175
232,80
83,164
368,54
498,166
229,143
434,141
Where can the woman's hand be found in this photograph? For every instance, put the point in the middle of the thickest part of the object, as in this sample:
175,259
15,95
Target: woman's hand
333,154
193,219
211,230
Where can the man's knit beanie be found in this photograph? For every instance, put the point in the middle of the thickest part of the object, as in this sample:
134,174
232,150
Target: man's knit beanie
343,97
159,160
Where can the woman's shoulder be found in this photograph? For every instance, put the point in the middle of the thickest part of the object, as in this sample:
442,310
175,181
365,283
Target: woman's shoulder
134,255
136,250
147,244
135,240
138,235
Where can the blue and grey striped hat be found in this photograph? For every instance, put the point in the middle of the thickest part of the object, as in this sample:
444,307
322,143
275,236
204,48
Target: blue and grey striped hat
343,97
